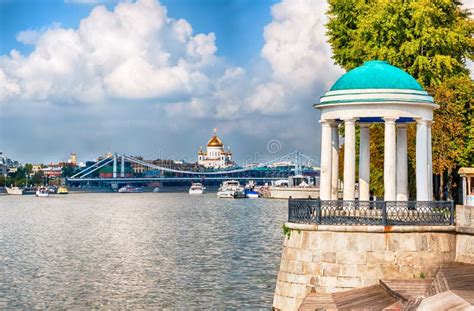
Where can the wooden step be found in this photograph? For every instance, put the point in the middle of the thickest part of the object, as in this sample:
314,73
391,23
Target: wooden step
316,301
407,289
372,297
447,300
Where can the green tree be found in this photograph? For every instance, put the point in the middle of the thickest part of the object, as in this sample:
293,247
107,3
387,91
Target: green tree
68,171
431,40
37,178
28,168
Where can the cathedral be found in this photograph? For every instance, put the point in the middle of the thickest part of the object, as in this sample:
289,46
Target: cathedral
215,155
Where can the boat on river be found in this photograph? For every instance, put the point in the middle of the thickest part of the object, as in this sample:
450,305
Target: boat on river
130,189
29,190
14,190
251,194
231,189
42,192
196,188
63,190
250,190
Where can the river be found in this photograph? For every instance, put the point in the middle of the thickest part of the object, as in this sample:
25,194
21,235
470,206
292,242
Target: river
147,250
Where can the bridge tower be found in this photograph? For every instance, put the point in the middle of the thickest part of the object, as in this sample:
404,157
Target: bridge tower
114,172
122,167
298,163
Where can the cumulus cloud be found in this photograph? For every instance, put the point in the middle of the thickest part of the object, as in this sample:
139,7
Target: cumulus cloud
28,36
134,52
295,44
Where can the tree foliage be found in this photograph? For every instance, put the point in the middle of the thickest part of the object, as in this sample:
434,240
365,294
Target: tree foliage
431,40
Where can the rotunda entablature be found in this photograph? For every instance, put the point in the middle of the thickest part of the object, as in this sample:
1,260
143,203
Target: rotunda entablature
375,112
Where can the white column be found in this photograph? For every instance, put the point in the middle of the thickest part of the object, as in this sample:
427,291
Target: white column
122,167
349,159
114,168
364,163
335,162
430,164
464,191
326,155
402,163
422,160
390,160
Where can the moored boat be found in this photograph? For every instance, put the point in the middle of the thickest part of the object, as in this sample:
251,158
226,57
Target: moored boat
251,194
29,190
14,190
42,192
250,190
157,189
130,189
63,190
52,189
231,189
196,188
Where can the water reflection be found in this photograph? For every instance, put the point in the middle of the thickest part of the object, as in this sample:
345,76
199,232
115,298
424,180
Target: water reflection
138,250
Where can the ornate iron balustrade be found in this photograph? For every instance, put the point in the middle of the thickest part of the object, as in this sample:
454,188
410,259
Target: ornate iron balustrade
386,213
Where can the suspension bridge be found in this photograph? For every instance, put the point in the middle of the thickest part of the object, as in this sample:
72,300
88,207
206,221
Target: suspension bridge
263,172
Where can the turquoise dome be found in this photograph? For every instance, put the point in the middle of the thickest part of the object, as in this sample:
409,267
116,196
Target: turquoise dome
376,74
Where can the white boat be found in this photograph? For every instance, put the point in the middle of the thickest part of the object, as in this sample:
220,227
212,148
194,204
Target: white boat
231,189
130,189
157,189
14,190
196,188
42,192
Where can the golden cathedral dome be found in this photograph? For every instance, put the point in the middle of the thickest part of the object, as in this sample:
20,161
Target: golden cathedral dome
215,141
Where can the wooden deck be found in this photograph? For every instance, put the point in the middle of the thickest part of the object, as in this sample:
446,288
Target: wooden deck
452,288
408,289
445,301
368,298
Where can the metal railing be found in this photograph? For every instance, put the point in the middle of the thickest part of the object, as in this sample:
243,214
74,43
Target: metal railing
386,213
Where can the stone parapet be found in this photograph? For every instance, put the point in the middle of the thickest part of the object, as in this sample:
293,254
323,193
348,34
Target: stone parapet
326,259
465,234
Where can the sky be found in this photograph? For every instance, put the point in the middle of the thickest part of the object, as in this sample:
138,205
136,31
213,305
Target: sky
154,78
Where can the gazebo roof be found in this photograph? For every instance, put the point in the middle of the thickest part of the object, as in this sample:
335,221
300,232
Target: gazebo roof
376,74
376,82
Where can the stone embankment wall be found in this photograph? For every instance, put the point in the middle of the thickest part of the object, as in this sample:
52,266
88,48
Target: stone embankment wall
336,258
295,193
465,234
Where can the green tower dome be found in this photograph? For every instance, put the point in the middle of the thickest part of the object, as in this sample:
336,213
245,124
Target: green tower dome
376,74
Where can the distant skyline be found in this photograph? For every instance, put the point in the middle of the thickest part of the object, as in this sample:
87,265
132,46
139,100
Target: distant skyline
155,78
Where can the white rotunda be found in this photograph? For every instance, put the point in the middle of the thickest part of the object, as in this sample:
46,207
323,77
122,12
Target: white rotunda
376,92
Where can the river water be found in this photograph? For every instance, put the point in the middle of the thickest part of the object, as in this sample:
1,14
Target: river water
148,250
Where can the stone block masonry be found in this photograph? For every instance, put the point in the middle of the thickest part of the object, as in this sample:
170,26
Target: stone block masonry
326,259
465,234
